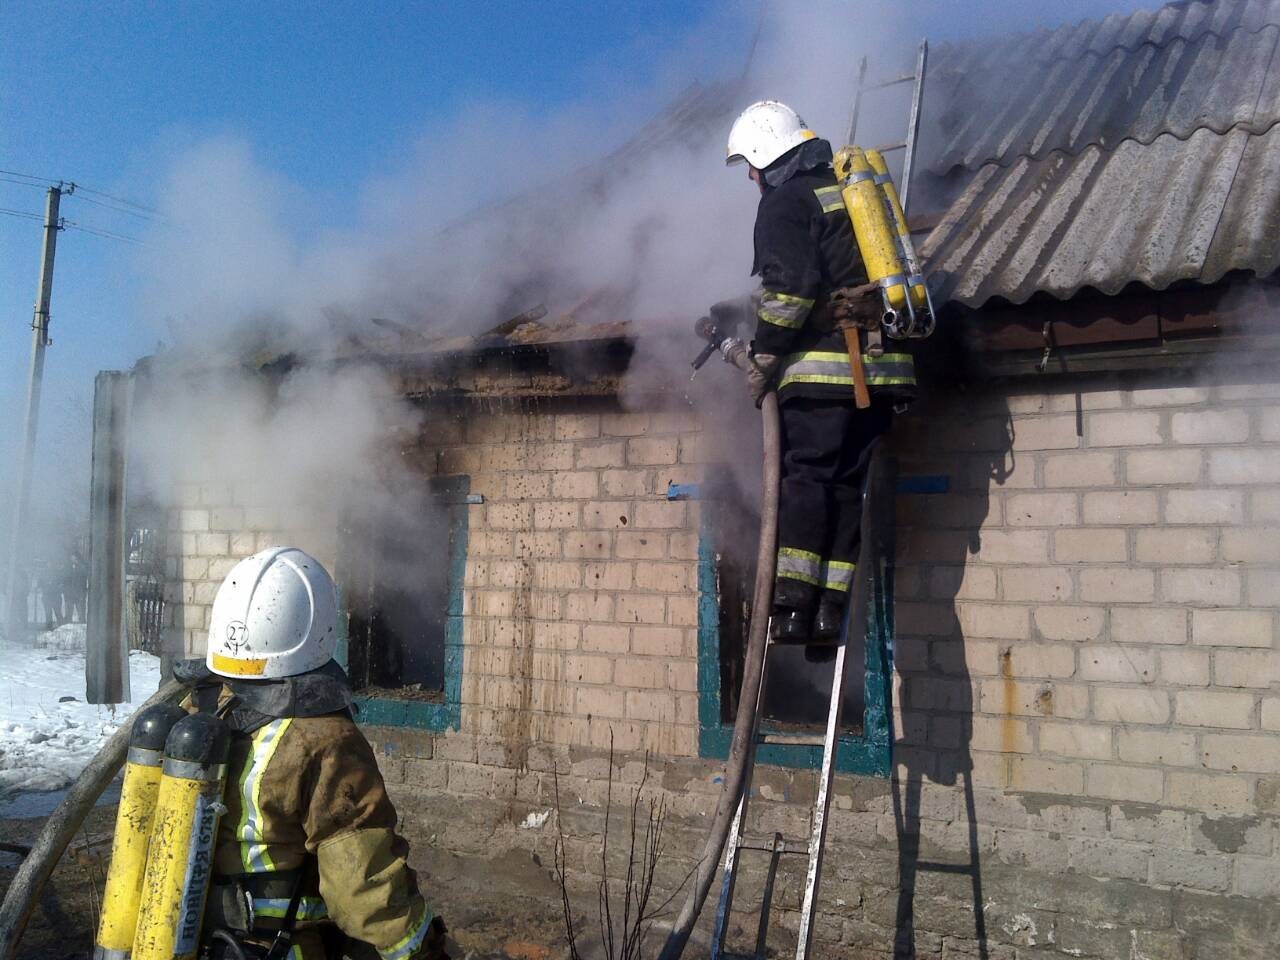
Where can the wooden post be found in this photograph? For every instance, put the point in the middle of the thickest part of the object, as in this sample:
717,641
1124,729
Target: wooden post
107,648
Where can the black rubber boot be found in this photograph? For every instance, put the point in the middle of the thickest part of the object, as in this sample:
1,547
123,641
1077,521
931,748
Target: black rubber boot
826,627
793,603
830,617
789,625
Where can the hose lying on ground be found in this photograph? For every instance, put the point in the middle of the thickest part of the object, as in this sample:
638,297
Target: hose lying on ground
743,723
29,881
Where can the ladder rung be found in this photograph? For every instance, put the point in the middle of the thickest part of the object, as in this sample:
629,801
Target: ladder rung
890,147
792,739
892,82
935,867
766,844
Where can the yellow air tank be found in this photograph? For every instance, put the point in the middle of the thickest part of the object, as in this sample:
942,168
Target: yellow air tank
877,239
133,830
180,858
919,296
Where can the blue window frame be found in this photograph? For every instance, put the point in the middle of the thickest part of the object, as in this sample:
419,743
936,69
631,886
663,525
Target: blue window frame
446,713
870,752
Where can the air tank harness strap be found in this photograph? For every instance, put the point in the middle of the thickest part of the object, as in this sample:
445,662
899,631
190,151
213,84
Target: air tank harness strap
235,904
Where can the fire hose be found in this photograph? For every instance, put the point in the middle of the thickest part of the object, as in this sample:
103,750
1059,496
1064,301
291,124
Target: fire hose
735,352
28,882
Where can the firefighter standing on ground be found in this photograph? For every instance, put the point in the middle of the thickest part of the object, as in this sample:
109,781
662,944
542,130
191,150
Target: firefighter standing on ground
308,815
811,270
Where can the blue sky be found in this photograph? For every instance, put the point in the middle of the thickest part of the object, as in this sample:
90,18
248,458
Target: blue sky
335,98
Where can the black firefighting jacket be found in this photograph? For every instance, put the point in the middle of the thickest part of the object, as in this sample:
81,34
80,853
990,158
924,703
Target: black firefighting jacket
804,249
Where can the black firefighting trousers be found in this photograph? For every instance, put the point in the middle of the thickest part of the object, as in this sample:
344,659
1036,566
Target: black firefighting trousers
826,447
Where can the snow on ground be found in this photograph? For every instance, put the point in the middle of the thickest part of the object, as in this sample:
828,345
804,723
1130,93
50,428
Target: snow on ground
44,743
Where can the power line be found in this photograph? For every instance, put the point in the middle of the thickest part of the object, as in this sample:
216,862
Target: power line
28,176
21,213
121,200
112,207
23,183
34,180
73,225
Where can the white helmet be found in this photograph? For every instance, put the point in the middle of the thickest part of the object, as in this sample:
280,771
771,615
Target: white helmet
276,615
765,131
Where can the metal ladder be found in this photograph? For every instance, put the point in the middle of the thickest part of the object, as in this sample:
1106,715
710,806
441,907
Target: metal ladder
878,483
908,143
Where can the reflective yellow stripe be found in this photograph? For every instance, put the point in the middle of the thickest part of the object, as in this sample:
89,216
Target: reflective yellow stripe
825,366
253,850
410,942
837,575
238,667
802,565
784,310
830,199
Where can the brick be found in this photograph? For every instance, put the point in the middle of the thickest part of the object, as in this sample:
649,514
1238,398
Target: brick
528,486
1250,669
1232,628
607,576
1240,754
555,516
1045,433
1094,469
1178,545
1091,546
1036,583
650,705
577,426
999,621
1040,661
1109,858
600,702
509,516
1258,877
625,424
1117,664
1117,585
661,515
1166,748
1041,510
1190,868
1207,792
1244,466
665,577
1069,622
1251,545
1184,668
1003,734
543,545
1264,506
557,576
1121,507
1271,713
1141,705
633,608
1214,708
1116,782
229,519
595,607
626,483
1122,429
1046,776
652,451
213,544
1203,506
606,638
1211,587
1012,546
193,521
612,453
1163,466
1211,426
638,672
575,485
606,515
1169,396
1034,699
1148,625
640,546
969,582
587,545
1076,740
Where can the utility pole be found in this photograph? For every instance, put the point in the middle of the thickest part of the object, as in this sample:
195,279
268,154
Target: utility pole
17,613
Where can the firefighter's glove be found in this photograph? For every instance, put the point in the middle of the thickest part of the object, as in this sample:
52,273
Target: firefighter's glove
433,944
857,307
761,374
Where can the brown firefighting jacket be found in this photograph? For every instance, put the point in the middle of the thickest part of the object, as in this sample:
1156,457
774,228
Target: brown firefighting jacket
302,787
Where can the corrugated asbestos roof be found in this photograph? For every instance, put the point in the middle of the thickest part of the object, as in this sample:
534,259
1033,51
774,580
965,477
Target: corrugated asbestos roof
1140,148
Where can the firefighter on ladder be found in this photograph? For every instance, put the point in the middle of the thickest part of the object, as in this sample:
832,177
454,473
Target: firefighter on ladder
309,835
814,288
